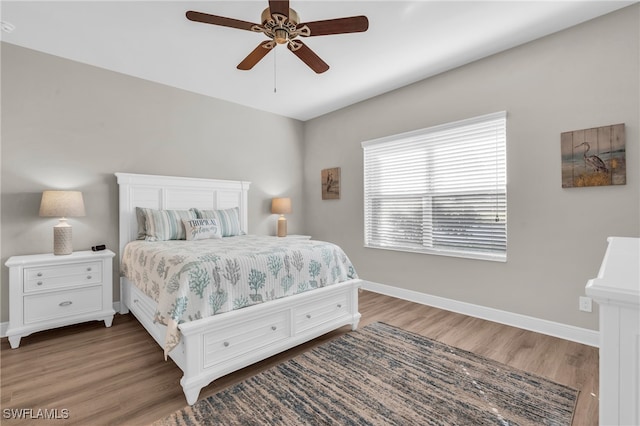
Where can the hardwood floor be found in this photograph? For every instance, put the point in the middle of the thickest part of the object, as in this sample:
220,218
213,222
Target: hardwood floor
118,375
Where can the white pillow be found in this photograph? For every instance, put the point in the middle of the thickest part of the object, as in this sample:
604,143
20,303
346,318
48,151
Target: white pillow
201,229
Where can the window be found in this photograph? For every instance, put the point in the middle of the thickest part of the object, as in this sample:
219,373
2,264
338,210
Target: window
440,190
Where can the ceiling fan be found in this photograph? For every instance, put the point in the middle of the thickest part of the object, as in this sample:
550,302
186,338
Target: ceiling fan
282,25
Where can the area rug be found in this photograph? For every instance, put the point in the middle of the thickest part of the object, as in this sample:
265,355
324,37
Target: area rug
384,375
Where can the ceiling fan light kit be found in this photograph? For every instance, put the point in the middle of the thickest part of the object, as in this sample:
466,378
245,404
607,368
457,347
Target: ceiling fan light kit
282,25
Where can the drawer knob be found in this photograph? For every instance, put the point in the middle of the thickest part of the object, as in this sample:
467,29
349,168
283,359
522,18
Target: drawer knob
308,315
65,303
226,344
339,306
39,274
39,283
88,277
89,269
274,328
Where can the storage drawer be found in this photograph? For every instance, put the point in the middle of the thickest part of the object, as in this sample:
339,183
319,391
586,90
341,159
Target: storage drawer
49,306
323,310
139,301
52,277
244,338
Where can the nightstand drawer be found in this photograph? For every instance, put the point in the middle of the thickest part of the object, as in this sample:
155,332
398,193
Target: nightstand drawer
52,277
48,306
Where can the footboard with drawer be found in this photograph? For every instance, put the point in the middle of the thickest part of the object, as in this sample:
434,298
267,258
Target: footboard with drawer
218,345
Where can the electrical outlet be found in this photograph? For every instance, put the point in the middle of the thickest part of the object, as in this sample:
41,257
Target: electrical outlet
585,304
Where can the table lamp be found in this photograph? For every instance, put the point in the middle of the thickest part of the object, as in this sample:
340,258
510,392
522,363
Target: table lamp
62,204
281,206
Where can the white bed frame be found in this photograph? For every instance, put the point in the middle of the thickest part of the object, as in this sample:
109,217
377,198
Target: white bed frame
214,346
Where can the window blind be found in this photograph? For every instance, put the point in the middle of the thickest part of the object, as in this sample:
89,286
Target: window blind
439,190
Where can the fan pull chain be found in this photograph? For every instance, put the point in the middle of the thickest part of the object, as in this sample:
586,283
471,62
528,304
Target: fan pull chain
275,69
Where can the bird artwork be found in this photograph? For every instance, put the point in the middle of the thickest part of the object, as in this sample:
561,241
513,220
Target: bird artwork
581,166
593,160
330,183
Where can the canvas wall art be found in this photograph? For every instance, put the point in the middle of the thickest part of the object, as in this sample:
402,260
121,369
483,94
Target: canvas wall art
594,157
330,183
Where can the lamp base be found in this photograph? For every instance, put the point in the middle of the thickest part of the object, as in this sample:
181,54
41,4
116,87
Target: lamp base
62,238
282,226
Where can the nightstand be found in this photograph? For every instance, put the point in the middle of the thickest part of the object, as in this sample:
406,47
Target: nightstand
48,291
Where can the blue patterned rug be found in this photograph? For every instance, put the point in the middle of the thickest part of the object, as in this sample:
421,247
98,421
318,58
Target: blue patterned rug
384,375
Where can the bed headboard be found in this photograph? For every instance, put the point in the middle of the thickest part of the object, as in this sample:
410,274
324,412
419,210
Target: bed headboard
179,193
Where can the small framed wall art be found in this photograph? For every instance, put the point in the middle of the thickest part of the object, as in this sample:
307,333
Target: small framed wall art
330,179
594,157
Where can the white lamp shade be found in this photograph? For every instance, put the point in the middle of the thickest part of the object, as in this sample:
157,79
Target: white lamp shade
281,205
62,204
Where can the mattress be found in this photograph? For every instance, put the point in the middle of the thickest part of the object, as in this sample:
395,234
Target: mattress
191,280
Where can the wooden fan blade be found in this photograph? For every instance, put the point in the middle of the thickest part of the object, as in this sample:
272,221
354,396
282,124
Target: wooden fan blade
257,54
353,24
219,20
308,56
280,7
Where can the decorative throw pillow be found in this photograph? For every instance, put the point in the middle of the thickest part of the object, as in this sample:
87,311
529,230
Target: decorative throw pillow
228,220
142,223
201,229
163,225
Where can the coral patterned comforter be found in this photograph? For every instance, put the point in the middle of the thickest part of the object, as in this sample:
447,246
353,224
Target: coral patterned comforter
195,279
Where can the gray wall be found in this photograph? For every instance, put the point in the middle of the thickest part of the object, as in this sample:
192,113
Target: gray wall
584,77
66,125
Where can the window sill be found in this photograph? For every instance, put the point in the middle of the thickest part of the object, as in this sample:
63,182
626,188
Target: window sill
493,257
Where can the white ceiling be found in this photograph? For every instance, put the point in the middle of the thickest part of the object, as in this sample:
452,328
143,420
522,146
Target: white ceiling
407,41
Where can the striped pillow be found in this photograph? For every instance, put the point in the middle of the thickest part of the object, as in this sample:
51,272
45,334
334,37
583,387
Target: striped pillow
228,219
163,225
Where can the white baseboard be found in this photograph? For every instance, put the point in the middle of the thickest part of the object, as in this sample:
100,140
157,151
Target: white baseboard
563,331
